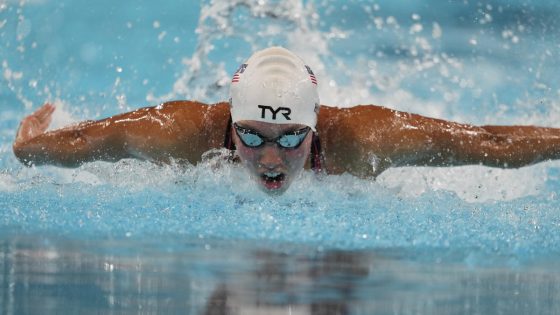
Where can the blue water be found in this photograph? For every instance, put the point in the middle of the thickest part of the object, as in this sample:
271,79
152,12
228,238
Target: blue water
132,237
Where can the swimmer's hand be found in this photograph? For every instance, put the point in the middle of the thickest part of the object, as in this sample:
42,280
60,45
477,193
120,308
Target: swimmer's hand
34,125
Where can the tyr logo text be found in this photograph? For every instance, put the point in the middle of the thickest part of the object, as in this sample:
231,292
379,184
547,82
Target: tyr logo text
285,111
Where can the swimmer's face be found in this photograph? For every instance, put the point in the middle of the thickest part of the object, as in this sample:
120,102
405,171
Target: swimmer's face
271,166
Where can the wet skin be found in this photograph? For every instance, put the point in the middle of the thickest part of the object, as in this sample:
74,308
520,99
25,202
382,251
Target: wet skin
272,167
364,141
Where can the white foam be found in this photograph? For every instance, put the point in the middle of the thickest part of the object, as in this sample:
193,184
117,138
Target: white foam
470,183
7,183
61,116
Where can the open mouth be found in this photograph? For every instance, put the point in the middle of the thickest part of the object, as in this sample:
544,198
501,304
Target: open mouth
273,180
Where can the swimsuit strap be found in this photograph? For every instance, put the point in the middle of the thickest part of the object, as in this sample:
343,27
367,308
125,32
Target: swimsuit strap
317,157
316,153
228,140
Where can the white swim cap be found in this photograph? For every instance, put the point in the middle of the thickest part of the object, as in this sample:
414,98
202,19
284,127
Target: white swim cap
275,86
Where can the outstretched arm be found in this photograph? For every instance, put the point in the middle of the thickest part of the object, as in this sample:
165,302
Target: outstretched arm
178,130
384,138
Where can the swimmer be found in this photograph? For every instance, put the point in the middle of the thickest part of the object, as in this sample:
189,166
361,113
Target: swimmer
273,124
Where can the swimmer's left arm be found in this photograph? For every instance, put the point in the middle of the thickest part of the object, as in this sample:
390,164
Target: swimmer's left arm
386,138
422,141
499,146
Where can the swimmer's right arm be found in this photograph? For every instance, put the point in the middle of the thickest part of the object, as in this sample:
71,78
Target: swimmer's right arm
70,146
174,130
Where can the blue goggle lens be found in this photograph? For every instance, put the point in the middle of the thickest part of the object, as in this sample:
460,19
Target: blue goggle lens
251,140
290,140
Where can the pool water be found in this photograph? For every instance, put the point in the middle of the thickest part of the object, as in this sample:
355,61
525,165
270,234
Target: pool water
132,237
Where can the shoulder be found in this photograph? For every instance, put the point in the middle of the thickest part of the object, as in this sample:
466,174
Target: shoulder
193,113
353,117
201,126
327,112
342,132
193,108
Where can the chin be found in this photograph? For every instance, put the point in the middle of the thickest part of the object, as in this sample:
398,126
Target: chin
275,189
274,192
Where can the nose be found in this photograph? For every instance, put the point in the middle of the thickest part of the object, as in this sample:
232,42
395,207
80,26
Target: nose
270,157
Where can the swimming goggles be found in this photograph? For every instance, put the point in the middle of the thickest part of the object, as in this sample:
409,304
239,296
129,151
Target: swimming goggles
289,140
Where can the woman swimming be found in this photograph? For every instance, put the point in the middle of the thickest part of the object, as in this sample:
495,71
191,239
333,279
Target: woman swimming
275,126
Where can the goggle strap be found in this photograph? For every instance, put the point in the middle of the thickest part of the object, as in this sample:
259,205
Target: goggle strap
228,140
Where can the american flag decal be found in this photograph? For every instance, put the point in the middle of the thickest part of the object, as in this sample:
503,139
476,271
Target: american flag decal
238,73
311,75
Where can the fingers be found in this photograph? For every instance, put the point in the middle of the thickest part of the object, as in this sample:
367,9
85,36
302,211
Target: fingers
44,115
44,111
36,123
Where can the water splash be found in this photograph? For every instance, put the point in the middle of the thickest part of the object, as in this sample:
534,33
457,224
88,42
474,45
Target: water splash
239,25
209,201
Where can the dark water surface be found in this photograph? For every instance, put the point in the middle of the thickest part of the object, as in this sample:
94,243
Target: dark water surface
53,276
